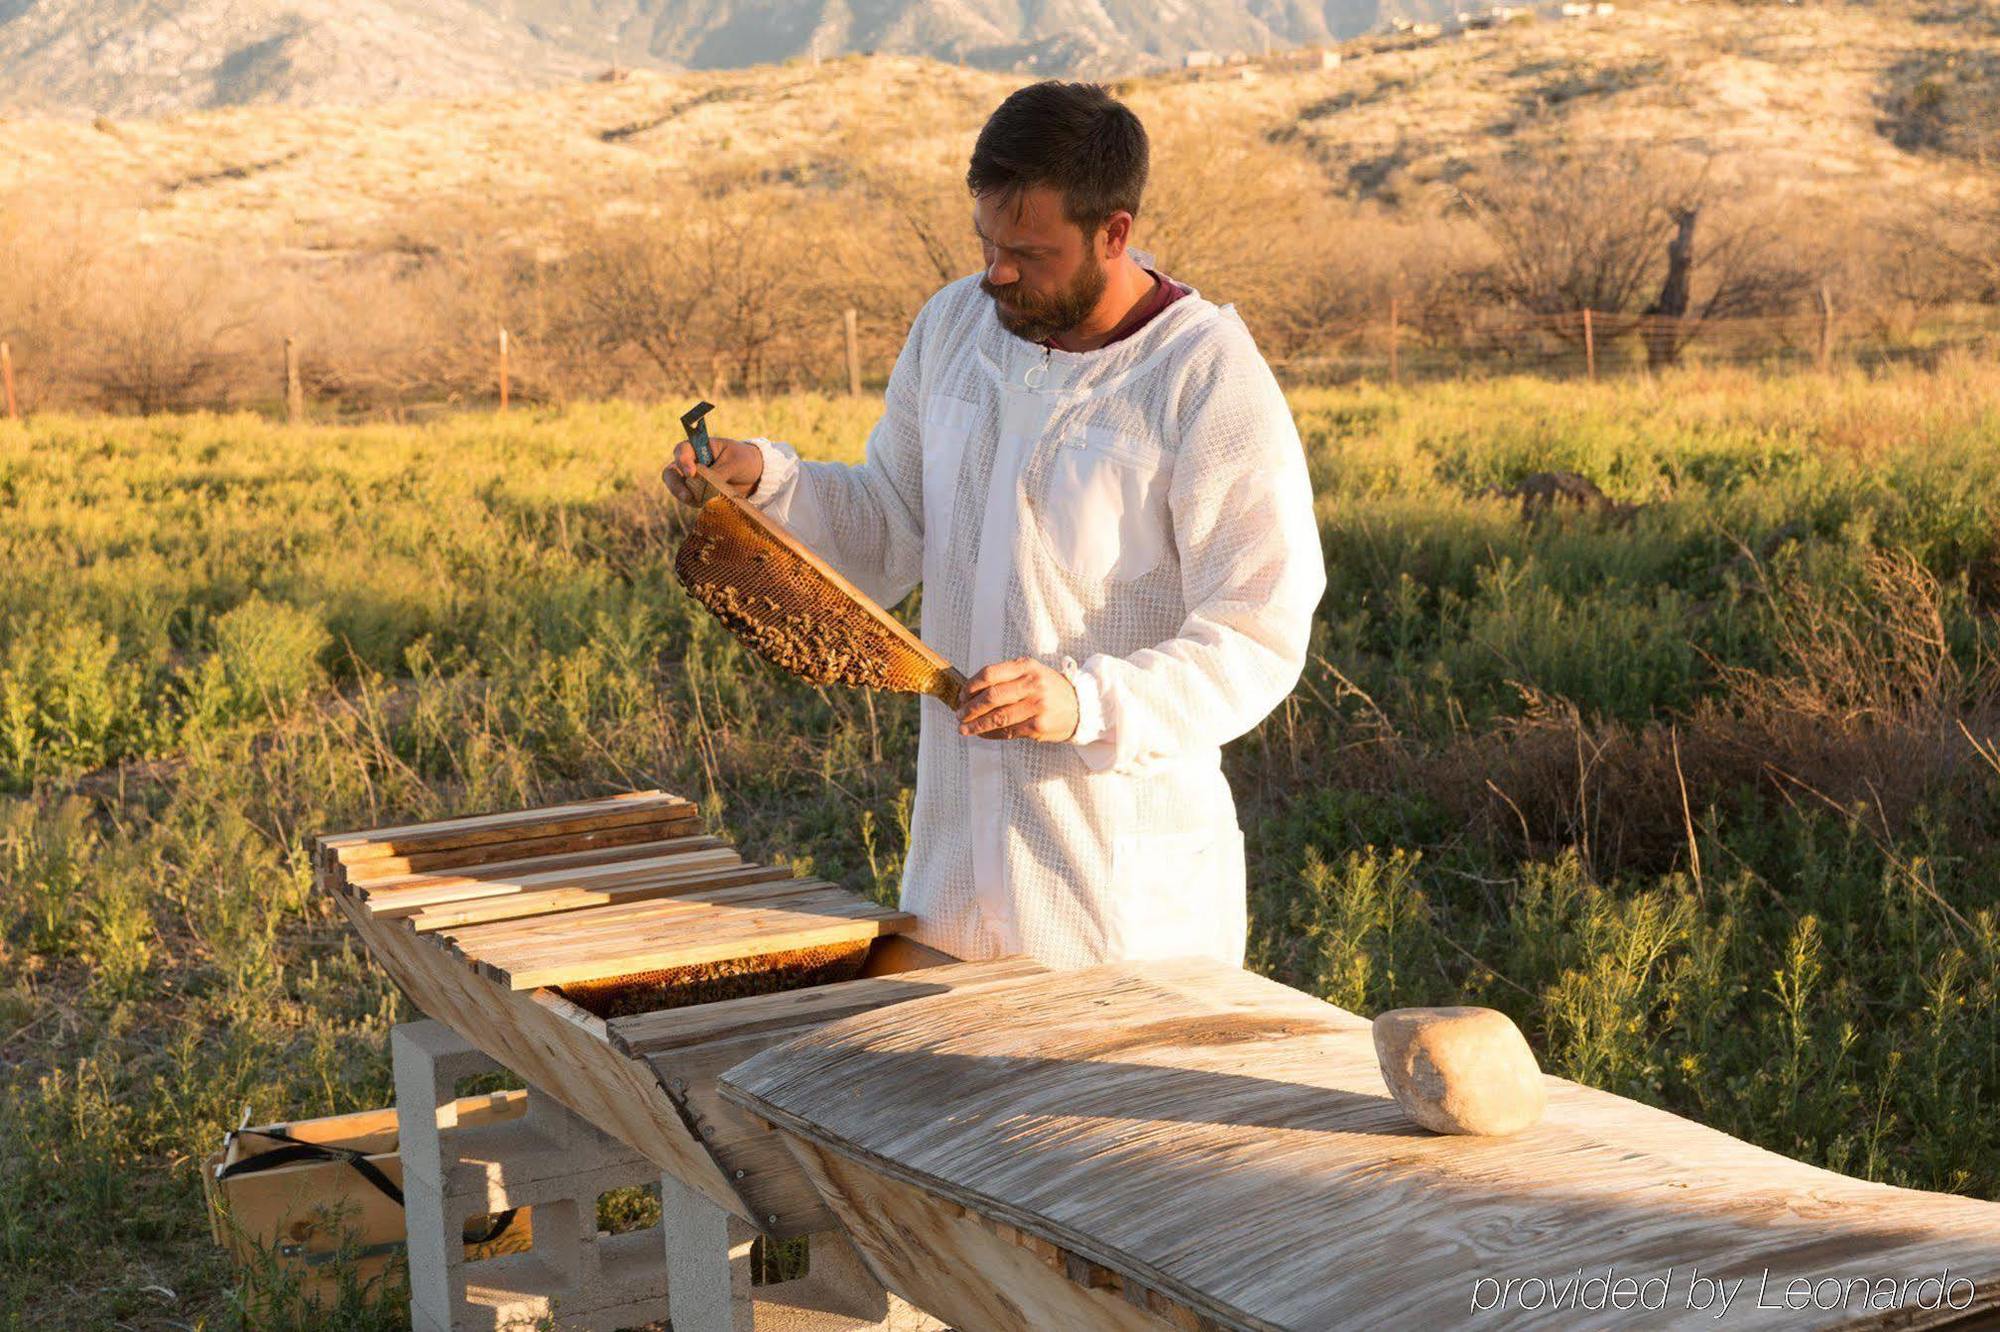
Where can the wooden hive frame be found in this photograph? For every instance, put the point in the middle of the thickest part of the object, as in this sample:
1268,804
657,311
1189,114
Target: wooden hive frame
485,920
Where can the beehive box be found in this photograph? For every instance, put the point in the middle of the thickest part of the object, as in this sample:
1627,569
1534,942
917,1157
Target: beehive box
618,957
304,1214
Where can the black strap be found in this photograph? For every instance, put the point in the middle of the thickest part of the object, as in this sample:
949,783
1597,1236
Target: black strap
496,1226
295,1150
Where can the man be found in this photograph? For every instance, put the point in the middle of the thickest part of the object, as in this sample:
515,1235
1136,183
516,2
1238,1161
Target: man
1096,480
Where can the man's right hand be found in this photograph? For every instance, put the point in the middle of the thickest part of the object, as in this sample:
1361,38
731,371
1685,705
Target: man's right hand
739,465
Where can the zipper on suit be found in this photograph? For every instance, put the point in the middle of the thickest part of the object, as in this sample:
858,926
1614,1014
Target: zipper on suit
1037,374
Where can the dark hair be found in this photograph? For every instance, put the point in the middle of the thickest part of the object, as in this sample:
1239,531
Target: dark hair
1075,137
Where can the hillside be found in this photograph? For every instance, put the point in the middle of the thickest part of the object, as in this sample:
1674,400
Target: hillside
661,231
1810,98
135,57
1800,100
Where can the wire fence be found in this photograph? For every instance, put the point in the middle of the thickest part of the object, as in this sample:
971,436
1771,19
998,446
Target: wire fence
852,354
1585,344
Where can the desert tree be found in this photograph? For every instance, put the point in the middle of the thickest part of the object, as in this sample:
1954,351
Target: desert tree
633,282
161,331
1570,233
925,237
1226,213
48,267
760,292
1963,227
1648,239
1350,261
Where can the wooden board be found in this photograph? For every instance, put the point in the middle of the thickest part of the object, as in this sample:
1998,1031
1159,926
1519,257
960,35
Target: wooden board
1226,1146
619,921
606,867
372,1131
976,1273
368,872
368,886
684,935
697,1024
477,830
557,900
689,1047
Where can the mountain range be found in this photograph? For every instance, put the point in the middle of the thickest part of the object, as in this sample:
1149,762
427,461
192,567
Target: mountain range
124,58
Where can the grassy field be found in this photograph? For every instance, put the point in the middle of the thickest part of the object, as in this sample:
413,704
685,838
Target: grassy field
1701,788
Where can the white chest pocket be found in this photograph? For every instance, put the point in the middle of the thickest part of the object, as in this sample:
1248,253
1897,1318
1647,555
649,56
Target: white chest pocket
946,423
1105,512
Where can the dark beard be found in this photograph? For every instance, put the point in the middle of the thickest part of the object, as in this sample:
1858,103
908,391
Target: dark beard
1036,318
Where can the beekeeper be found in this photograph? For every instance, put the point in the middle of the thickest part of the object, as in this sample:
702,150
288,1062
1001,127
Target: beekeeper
1096,480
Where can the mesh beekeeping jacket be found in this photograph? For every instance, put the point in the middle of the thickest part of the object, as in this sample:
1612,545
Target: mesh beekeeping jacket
1152,520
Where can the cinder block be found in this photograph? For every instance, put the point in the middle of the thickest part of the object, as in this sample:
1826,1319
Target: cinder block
548,1160
709,1287
556,1163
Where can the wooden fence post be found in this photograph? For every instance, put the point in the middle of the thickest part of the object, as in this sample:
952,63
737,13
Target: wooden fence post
853,353
7,380
1589,346
295,394
1395,374
1825,356
503,370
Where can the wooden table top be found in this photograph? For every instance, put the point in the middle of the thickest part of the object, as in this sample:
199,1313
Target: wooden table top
1229,1142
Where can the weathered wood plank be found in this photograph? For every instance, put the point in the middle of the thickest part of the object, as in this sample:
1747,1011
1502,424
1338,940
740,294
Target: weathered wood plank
1228,1143
753,1157
777,931
562,900
369,872
675,1028
408,892
655,869
957,1266
660,869
682,912
598,852
491,819
751,918
489,829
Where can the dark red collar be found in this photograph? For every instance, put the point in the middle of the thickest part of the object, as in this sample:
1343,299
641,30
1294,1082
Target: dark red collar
1164,293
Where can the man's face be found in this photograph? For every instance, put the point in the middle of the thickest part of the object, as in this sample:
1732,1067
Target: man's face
1042,271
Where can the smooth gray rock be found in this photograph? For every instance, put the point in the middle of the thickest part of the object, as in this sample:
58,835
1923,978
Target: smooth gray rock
1460,1070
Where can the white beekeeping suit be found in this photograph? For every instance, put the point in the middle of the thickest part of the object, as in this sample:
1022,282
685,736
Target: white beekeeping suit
1139,516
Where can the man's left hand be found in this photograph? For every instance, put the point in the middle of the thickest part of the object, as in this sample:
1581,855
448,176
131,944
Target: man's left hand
1019,700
